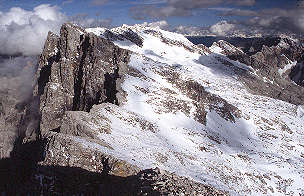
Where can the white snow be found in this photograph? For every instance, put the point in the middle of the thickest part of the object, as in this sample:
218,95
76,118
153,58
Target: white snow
300,111
97,31
260,154
287,67
216,49
54,85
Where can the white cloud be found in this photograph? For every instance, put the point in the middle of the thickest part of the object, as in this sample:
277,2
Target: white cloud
180,7
24,32
191,30
87,22
222,28
18,73
159,24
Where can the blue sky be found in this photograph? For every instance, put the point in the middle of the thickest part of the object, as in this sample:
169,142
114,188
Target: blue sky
118,10
23,30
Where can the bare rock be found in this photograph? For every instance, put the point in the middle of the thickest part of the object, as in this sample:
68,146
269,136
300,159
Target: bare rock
126,34
159,182
78,152
76,71
266,62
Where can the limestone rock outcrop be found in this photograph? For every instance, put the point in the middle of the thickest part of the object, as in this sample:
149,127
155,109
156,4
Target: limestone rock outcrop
271,77
76,71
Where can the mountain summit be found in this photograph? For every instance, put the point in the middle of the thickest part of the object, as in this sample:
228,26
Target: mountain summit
112,104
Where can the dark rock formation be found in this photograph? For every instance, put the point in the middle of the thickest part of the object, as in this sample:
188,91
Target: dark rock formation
203,100
249,46
158,182
55,151
266,63
76,71
297,74
128,34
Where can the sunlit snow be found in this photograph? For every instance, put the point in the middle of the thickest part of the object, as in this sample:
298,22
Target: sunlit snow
260,153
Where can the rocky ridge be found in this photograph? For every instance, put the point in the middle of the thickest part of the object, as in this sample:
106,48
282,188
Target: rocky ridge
78,75
266,119
76,71
109,103
273,70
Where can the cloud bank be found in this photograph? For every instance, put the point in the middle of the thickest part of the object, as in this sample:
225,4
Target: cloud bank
17,74
24,32
181,7
291,20
85,21
272,20
264,21
164,25
222,28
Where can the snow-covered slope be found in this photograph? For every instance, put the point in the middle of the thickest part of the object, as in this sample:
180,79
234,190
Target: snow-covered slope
243,143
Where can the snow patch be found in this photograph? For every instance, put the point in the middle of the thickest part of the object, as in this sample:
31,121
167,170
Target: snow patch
259,154
287,67
300,111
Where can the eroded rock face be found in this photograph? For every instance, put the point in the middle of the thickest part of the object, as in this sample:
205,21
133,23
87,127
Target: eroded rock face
159,182
203,100
128,34
266,63
74,152
79,75
76,71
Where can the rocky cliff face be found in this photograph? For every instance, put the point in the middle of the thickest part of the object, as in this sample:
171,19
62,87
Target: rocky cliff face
274,73
107,105
77,71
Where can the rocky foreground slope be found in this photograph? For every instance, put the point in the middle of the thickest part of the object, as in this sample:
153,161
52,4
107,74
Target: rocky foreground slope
109,105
